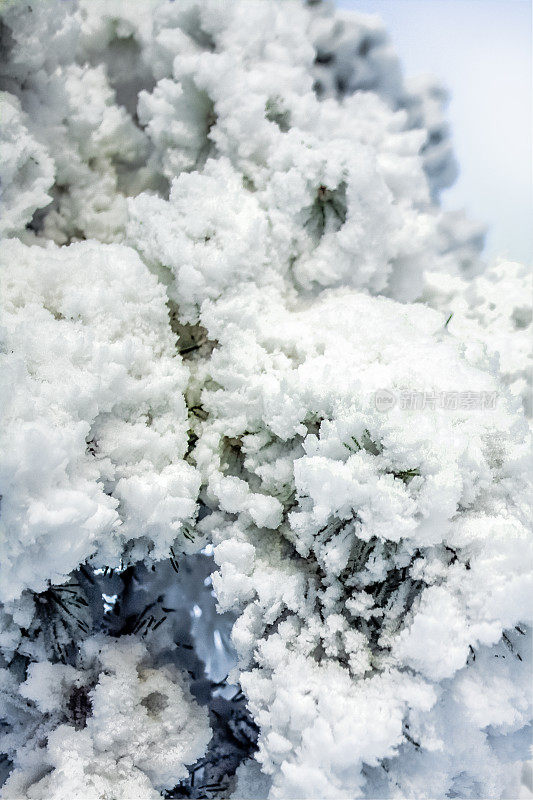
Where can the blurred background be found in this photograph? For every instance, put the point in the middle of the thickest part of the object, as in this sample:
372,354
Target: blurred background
481,51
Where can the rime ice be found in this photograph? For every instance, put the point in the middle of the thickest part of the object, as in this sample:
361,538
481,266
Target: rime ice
222,237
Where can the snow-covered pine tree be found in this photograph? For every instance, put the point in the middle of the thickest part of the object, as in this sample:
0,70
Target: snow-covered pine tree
221,238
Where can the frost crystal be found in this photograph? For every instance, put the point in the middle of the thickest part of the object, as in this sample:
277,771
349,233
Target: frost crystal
247,356
119,727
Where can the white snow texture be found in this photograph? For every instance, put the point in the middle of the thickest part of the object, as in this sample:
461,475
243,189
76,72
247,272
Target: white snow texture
221,238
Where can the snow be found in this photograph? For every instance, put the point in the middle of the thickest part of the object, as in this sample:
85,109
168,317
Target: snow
142,729
222,244
94,419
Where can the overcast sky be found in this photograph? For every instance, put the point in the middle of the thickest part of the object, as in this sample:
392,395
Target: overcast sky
481,50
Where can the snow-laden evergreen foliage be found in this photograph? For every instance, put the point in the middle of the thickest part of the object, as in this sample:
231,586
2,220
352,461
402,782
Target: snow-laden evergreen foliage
238,325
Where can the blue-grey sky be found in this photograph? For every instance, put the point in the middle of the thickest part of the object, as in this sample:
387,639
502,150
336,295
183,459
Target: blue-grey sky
481,50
